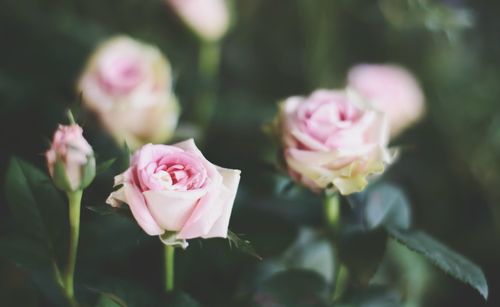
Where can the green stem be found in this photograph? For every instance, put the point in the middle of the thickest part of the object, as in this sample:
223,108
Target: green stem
169,268
60,282
75,199
208,65
340,280
333,214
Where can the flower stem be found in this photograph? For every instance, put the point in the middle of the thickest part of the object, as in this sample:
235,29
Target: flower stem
75,199
208,65
333,214
340,280
169,268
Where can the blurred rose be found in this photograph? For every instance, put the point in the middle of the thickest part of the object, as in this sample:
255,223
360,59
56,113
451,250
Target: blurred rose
209,19
391,89
175,189
70,159
128,85
332,139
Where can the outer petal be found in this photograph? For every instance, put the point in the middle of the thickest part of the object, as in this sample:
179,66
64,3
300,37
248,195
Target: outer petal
230,180
140,211
206,213
188,145
116,198
171,209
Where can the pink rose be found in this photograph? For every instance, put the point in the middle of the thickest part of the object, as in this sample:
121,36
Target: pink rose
70,159
128,85
173,188
209,19
393,90
331,138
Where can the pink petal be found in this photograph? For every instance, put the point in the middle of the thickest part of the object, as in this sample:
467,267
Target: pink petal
140,211
171,209
206,212
231,179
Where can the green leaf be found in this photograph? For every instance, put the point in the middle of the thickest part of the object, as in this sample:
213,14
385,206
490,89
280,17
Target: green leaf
374,296
293,288
98,247
243,245
110,300
310,251
36,206
386,204
104,166
25,252
362,253
381,204
131,293
443,257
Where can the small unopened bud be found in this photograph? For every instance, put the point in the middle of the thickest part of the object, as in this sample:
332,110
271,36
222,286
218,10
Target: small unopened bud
70,159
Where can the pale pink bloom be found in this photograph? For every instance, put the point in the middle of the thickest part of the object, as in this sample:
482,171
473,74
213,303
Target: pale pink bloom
332,138
391,89
69,148
174,188
209,19
128,85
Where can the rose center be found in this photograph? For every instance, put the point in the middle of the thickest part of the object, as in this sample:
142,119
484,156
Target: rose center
120,74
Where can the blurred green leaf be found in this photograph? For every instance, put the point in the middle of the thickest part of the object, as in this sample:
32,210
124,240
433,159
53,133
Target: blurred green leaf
25,252
362,253
374,296
181,299
38,211
130,293
386,204
243,245
34,202
104,166
444,258
32,255
96,246
110,300
293,288
311,251
380,204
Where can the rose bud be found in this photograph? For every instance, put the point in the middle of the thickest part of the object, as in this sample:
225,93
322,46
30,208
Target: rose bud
128,85
391,89
331,139
209,19
70,159
173,189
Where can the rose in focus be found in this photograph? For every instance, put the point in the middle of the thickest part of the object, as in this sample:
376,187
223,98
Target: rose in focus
333,139
391,89
174,189
128,85
70,159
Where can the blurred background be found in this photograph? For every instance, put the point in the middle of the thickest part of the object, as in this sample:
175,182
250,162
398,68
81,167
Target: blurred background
449,166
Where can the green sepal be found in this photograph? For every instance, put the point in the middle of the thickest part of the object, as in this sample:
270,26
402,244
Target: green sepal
60,177
170,238
88,172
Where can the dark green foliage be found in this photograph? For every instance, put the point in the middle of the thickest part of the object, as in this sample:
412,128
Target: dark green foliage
443,257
